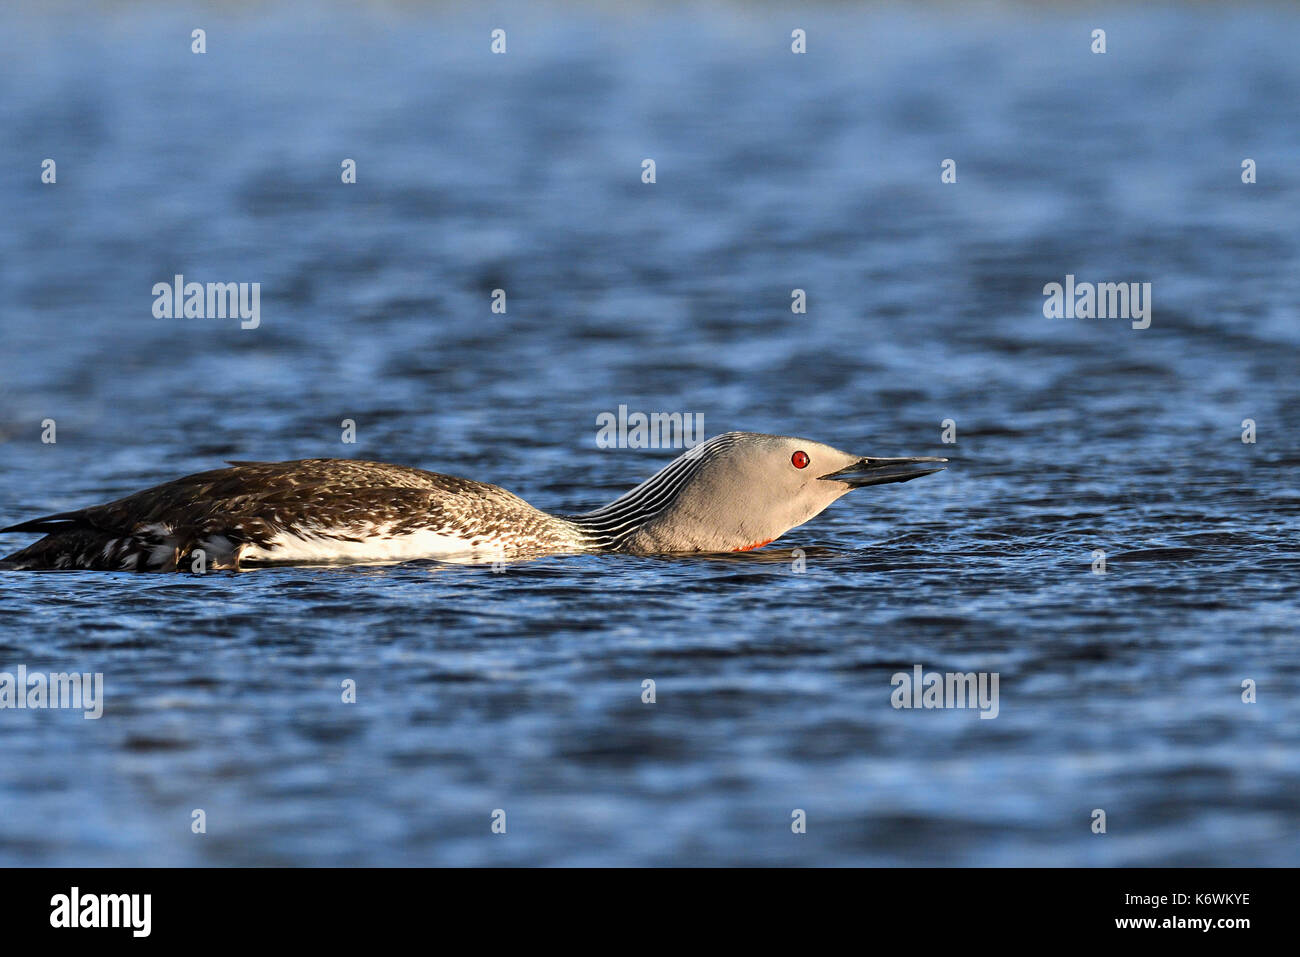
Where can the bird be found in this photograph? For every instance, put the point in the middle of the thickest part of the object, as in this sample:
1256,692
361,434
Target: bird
734,492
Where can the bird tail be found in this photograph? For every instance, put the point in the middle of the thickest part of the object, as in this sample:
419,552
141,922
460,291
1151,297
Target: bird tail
46,523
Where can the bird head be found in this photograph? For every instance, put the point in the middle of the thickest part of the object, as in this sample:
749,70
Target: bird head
740,490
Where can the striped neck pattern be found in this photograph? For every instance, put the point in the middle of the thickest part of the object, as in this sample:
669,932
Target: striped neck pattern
609,527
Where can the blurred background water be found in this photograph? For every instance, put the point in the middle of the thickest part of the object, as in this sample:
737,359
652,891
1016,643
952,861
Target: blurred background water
775,171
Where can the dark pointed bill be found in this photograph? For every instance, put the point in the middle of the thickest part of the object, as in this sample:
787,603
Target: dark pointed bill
872,470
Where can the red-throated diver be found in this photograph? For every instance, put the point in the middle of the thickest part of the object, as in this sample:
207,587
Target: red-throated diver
737,491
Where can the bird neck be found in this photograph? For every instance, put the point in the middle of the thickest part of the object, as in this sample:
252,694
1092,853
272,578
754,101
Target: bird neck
614,524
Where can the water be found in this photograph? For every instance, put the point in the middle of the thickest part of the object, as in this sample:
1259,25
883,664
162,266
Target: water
522,690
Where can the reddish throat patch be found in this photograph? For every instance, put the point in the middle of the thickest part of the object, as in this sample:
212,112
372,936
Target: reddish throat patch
750,548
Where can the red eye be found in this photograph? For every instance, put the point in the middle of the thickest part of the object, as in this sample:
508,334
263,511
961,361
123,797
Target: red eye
799,460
